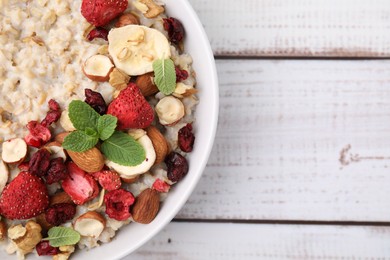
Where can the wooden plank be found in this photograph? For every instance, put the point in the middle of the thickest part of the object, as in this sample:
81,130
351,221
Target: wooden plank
326,28
246,241
299,140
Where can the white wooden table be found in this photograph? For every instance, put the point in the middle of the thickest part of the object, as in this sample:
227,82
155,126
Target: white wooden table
301,163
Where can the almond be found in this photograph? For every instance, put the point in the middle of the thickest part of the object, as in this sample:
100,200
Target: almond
159,142
3,230
91,160
126,19
60,137
90,224
146,206
61,197
146,84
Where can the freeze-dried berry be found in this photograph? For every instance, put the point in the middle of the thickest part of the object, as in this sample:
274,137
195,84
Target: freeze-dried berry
98,32
177,166
53,105
181,74
60,213
53,115
186,138
44,248
161,186
96,101
118,204
175,29
57,171
38,134
24,166
108,179
39,163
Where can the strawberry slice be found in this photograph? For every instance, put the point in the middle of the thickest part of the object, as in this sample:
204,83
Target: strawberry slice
101,12
131,109
161,186
109,180
24,197
80,186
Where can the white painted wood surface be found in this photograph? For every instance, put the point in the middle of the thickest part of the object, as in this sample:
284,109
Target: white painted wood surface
248,241
297,27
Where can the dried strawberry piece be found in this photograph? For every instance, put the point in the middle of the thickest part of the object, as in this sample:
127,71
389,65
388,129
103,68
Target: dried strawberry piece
24,166
161,186
175,29
98,32
39,163
186,138
177,166
108,179
53,115
96,101
39,134
181,74
57,171
60,213
53,105
44,248
118,204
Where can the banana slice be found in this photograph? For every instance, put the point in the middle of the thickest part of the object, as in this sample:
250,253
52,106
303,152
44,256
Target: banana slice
128,172
134,48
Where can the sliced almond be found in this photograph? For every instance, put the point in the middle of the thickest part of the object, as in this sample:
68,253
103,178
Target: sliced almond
98,67
60,137
146,206
14,150
91,160
159,142
4,175
146,84
56,150
170,110
90,224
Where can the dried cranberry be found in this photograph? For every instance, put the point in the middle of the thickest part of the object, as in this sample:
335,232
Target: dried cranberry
58,214
39,134
186,138
57,171
181,74
39,163
98,32
177,166
53,105
118,204
44,248
53,115
175,29
96,101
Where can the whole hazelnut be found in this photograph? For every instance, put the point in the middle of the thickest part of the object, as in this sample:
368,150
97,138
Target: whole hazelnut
126,19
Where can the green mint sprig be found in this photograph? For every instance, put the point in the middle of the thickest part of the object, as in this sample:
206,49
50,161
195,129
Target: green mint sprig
165,75
62,236
90,127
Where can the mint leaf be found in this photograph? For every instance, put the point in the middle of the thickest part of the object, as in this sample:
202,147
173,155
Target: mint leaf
123,149
82,115
165,75
78,141
106,126
91,132
62,236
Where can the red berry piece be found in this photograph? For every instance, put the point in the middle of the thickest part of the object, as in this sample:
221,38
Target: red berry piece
186,138
181,74
177,166
109,180
57,171
39,163
96,101
53,115
175,29
60,213
24,197
118,204
24,166
53,105
98,32
44,248
161,186
38,134
101,12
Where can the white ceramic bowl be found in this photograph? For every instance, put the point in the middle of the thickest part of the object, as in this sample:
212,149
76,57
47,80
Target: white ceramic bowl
132,236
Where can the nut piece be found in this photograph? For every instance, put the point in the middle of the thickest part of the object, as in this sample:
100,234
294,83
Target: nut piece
56,150
153,9
130,180
118,79
65,122
61,197
98,67
30,239
60,137
14,150
146,84
3,230
90,224
160,144
90,161
4,175
170,110
126,19
146,206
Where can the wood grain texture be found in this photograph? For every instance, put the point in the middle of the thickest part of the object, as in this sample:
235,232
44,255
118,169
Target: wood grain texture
299,140
321,28
245,241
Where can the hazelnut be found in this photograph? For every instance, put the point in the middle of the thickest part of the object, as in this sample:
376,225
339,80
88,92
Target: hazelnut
127,19
146,84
